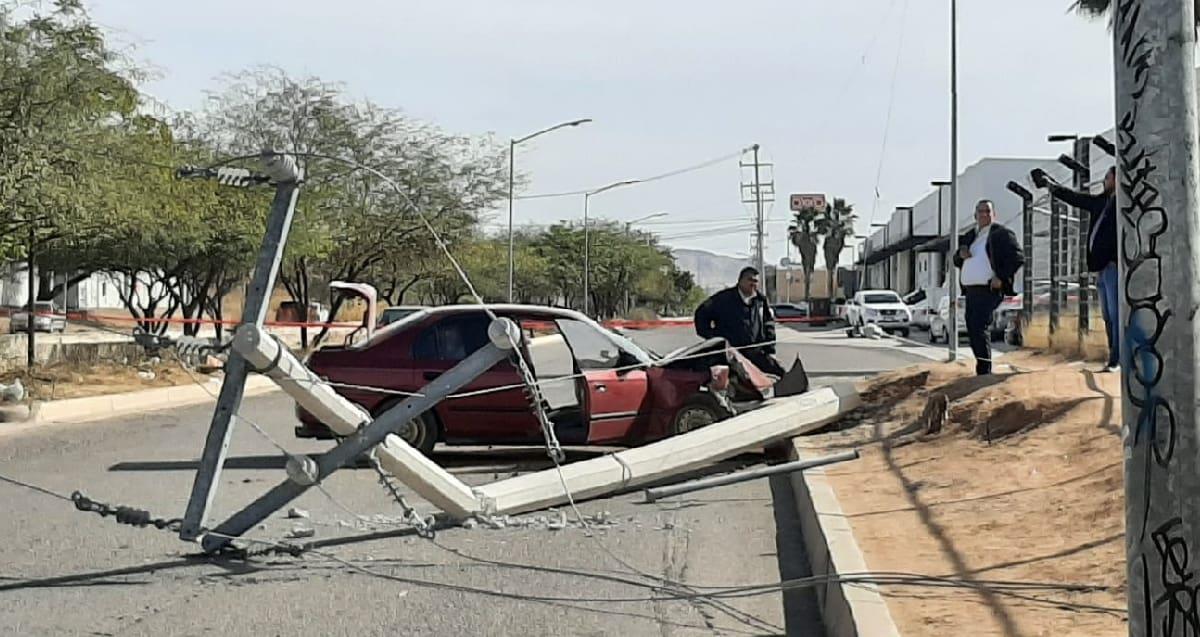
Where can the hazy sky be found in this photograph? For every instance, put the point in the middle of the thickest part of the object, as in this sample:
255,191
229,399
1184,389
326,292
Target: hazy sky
672,83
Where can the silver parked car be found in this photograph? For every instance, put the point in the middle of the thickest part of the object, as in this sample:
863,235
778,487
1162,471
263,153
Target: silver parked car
46,319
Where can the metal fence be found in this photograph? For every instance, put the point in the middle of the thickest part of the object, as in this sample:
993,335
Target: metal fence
1061,311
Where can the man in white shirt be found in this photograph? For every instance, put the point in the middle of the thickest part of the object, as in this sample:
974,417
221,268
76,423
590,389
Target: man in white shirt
989,257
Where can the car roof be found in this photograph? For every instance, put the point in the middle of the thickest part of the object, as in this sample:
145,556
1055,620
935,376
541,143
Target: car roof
509,309
537,312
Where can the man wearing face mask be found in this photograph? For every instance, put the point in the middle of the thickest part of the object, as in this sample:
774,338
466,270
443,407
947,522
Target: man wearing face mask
1101,249
989,257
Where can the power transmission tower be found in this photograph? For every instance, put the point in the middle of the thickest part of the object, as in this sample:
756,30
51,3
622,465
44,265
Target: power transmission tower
758,190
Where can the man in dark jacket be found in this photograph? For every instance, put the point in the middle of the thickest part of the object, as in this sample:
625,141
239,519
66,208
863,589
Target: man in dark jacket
1101,249
742,316
989,257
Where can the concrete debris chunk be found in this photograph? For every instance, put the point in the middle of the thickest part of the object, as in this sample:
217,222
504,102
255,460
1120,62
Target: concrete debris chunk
295,513
302,532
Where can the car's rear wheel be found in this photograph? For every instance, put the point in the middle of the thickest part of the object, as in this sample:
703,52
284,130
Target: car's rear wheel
421,433
699,411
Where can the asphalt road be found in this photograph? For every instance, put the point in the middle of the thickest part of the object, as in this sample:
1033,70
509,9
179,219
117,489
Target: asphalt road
71,573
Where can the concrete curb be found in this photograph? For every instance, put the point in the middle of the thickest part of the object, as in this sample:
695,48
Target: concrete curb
846,610
92,408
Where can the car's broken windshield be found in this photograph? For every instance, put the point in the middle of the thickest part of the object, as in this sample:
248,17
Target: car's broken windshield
598,349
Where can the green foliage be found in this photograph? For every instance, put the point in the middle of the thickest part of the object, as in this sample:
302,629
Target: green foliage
87,185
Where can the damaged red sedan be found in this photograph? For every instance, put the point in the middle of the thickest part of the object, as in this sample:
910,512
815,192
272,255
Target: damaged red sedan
598,386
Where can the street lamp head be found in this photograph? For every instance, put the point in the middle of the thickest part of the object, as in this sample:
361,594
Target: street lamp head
1020,191
1070,162
656,215
939,183
1105,145
1062,138
618,184
530,136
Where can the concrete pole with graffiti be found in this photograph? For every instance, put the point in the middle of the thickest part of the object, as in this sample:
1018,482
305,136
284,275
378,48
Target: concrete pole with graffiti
1159,231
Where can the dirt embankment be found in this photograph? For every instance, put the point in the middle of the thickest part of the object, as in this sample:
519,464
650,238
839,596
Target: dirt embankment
1015,477
61,381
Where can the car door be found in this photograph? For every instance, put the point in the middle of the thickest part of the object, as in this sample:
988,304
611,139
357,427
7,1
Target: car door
487,417
616,398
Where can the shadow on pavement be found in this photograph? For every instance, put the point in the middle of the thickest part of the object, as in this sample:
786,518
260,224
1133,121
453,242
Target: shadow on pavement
801,610
470,460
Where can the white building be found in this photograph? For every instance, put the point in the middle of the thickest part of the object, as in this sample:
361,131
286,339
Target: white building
911,252
99,291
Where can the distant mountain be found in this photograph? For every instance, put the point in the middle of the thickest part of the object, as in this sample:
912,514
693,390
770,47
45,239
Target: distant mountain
711,271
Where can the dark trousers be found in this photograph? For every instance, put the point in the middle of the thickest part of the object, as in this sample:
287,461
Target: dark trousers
981,305
1111,309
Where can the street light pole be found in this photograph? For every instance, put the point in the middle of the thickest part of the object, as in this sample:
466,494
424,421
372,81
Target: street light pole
952,344
887,266
629,235
587,236
512,154
939,184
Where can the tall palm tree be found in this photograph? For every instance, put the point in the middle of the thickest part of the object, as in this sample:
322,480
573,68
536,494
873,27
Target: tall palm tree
804,232
836,225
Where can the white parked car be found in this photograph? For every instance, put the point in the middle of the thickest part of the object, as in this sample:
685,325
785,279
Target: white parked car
939,323
883,308
922,314
1009,309
47,319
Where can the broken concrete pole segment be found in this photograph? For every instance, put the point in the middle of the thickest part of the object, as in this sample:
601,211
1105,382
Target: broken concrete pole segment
429,480
779,419
317,397
360,442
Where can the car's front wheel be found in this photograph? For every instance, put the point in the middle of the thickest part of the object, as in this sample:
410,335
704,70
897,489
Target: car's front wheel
699,411
421,433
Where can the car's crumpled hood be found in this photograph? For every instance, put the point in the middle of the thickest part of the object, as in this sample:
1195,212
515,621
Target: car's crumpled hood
716,351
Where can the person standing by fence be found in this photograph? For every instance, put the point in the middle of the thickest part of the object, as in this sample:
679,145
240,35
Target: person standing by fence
989,257
1101,249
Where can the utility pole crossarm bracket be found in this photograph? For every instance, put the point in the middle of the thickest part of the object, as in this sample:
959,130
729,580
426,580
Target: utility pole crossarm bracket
278,168
233,177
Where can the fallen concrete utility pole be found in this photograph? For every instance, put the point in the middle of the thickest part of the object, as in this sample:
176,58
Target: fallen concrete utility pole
304,472
318,398
779,419
287,176
658,493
